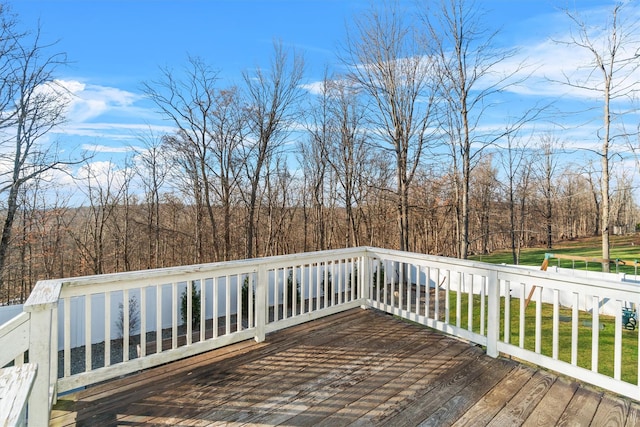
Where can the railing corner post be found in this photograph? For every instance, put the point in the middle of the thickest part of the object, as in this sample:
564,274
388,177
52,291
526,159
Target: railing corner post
493,320
261,301
40,353
365,283
42,306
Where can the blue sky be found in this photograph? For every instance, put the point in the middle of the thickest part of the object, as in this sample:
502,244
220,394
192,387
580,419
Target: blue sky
115,45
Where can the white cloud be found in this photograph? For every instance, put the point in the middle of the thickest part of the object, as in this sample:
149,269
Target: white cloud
89,101
106,114
98,148
314,88
104,174
555,60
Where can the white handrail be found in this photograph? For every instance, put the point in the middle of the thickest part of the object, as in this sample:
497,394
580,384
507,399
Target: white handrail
14,339
15,387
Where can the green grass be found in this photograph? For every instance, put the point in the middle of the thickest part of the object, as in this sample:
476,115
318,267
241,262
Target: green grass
605,338
622,247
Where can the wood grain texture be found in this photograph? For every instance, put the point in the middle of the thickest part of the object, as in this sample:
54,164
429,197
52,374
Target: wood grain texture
492,402
552,404
525,401
15,385
581,408
612,411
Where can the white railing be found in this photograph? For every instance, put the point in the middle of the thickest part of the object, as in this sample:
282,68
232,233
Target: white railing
558,329
16,380
85,330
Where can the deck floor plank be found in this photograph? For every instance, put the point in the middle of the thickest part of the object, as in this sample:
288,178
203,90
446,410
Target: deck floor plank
319,397
254,382
525,401
491,403
358,368
444,388
456,405
633,417
382,393
612,411
581,408
390,398
553,404
113,394
316,365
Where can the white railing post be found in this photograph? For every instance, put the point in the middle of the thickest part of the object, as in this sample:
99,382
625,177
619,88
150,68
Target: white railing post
364,281
41,305
493,318
261,301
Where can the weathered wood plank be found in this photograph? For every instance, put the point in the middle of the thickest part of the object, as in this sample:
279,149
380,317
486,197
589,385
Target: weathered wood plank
612,411
271,360
118,392
15,386
633,417
428,400
395,394
581,409
350,403
553,404
354,380
455,406
491,403
318,363
524,402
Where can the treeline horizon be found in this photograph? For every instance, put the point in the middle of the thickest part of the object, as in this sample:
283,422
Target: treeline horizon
112,233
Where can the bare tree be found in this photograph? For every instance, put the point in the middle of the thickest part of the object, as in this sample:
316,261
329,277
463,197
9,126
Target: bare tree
517,165
623,208
388,64
103,189
152,169
121,225
188,102
313,153
546,172
610,74
350,153
337,139
271,95
596,193
53,233
228,125
468,65
484,186
279,208
32,104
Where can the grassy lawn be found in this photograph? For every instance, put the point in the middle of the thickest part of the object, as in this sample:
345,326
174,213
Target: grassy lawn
621,248
605,338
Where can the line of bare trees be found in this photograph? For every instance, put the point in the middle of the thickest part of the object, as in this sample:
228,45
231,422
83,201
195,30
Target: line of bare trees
393,152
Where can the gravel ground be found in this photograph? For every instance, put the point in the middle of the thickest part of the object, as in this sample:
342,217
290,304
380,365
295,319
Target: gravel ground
78,356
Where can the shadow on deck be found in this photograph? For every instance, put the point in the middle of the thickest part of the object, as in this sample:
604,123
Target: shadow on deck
360,367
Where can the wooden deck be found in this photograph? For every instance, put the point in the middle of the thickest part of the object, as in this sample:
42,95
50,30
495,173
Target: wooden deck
361,367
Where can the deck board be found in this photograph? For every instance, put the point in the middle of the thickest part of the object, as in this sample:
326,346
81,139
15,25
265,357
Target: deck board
357,368
519,408
581,408
550,408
